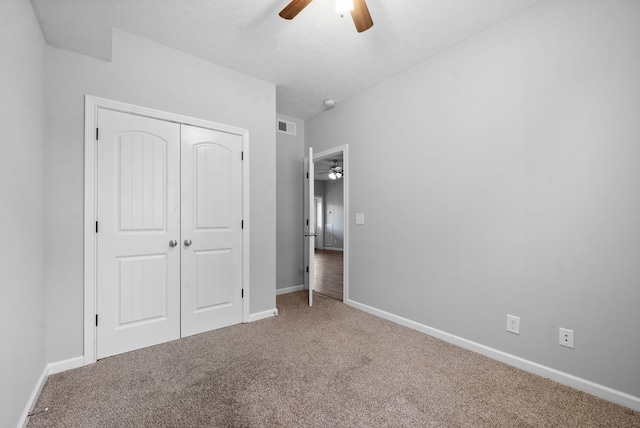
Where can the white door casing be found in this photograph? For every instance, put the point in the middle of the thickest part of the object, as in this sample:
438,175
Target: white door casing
138,282
211,230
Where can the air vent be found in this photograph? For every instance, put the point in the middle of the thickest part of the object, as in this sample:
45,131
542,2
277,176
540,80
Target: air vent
286,127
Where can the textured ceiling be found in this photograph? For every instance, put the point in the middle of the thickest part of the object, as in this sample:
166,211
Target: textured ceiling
315,56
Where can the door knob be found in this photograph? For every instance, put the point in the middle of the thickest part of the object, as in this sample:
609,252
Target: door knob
187,242
173,243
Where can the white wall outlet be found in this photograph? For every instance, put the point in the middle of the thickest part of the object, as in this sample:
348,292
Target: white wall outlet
513,324
566,337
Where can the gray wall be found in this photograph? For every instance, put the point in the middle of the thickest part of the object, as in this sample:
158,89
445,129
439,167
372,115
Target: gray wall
150,75
289,211
22,209
516,188
334,211
332,192
318,190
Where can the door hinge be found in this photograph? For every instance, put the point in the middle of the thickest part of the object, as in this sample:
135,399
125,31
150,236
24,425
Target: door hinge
242,224
241,155
96,320
97,134
307,222
307,269
96,227
243,293
307,175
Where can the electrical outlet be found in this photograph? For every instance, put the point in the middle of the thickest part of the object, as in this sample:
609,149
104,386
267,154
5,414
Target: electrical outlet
566,337
513,324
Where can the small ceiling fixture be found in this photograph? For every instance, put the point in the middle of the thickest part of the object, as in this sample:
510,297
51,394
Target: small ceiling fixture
329,103
336,172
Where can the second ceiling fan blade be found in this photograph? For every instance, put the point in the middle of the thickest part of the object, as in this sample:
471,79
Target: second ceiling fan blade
294,8
361,16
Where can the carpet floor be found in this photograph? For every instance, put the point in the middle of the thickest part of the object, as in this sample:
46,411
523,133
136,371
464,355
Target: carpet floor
325,366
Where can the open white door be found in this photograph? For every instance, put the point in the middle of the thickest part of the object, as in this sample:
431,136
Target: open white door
309,232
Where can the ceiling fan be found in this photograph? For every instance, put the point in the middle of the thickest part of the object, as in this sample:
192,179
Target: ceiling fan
335,172
359,11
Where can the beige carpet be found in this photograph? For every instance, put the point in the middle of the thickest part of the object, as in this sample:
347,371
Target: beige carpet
326,366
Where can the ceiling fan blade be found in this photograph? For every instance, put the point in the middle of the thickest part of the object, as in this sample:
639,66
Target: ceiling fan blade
361,16
294,8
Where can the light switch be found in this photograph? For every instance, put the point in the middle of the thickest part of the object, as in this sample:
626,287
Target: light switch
359,218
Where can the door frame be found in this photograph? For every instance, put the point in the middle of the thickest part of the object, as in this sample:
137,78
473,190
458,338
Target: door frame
92,104
344,150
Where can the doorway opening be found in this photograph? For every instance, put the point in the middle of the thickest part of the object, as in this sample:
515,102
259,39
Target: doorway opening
331,199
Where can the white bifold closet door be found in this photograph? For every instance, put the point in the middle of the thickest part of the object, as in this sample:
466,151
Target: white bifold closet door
169,235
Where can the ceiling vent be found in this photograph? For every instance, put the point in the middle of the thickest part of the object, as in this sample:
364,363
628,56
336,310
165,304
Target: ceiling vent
286,127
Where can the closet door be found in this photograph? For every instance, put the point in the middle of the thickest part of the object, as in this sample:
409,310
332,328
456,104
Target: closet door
138,262
211,230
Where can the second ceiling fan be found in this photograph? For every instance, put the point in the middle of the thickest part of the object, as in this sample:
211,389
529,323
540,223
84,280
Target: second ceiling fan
359,13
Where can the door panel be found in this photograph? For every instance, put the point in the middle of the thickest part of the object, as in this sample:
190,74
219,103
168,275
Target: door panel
212,224
213,186
142,177
213,270
142,292
138,278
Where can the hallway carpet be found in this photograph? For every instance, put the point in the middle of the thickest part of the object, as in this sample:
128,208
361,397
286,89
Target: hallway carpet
325,366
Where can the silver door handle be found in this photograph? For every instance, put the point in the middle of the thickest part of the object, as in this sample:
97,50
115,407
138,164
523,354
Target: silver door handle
187,242
311,234
173,243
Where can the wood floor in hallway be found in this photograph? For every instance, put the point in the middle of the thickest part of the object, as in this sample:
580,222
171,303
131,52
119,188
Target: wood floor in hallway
329,268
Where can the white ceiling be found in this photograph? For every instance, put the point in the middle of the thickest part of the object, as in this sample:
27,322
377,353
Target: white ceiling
316,56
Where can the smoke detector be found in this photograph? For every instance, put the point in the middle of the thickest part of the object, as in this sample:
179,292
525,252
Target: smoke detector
329,103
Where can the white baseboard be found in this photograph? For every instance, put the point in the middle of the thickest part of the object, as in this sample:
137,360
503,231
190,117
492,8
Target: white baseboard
262,315
24,418
333,249
287,290
63,366
49,369
575,382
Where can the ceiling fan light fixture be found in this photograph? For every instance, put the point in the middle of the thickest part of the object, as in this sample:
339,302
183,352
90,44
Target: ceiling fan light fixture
358,8
343,6
336,172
